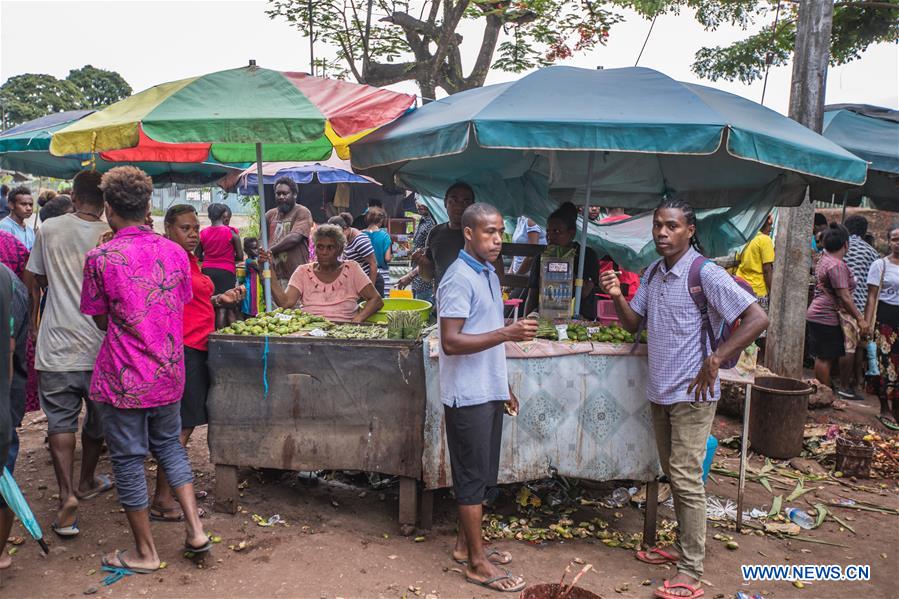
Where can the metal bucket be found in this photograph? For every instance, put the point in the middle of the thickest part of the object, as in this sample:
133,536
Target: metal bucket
777,416
552,591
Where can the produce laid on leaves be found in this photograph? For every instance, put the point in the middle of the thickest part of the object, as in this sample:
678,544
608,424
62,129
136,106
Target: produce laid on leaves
355,331
286,321
277,323
546,330
585,331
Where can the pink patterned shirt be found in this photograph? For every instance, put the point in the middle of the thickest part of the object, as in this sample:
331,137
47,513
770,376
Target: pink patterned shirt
141,281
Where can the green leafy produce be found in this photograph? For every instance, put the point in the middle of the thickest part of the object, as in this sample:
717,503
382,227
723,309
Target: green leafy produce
615,334
546,330
277,323
404,324
356,331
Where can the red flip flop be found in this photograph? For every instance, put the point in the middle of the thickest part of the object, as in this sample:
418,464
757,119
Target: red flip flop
666,558
695,592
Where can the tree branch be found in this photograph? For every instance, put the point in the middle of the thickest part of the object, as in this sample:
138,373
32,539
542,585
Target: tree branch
346,45
481,67
410,23
381,74
452,14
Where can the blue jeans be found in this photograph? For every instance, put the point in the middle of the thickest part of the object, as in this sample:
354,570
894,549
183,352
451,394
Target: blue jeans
130,433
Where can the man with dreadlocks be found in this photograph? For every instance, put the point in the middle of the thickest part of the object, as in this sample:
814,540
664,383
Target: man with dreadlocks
683,372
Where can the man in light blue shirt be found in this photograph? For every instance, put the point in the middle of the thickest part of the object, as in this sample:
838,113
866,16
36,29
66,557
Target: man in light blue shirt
474,387
21,207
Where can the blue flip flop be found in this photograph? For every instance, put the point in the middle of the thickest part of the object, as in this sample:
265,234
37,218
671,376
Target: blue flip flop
66,532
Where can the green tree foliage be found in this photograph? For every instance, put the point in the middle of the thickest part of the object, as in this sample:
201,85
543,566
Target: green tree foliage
380,42
99,86
856,25
26,97
29,96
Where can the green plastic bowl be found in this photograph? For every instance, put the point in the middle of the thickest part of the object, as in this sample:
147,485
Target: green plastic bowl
401,305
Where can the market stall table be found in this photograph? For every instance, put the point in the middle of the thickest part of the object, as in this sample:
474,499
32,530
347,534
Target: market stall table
583,414
307,403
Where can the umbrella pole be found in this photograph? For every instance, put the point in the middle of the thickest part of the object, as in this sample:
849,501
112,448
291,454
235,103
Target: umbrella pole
263,230
845,202
579,281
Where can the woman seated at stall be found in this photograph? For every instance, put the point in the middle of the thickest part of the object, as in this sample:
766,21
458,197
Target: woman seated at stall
328,287
561,229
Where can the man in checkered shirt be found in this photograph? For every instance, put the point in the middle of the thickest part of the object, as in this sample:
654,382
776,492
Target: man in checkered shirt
859,258
683,385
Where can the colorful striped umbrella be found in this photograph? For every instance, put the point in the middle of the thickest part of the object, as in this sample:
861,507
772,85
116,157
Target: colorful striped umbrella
297,117
239,115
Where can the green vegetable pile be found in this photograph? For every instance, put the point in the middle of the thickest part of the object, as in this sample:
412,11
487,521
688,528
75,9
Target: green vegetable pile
404,324
355,331
276,323
582,332
546,330
615,334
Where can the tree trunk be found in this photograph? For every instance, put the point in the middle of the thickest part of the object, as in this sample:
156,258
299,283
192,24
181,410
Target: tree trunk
788,296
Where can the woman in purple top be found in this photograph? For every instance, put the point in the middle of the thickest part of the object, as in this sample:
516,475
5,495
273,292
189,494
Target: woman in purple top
834,284
135,288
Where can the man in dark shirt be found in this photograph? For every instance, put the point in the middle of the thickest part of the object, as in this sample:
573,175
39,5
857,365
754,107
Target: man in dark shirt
445,240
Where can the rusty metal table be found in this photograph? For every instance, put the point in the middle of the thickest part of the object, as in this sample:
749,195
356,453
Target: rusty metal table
305,403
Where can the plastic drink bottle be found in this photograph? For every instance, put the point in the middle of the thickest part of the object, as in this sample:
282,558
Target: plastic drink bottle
873,366
800,517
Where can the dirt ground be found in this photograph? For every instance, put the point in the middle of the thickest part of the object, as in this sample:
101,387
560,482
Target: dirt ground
343,541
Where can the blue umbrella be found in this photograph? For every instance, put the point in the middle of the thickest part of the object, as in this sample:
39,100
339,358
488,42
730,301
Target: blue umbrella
872,134
628,136
302,174
13,497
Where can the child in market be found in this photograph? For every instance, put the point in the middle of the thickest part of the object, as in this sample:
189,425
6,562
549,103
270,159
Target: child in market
474,387
683,372
250,305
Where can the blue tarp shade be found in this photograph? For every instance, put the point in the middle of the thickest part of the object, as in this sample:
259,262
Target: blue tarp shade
523,146
637,117
303,175
872,134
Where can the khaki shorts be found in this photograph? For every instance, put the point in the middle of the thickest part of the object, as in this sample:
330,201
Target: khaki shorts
850,332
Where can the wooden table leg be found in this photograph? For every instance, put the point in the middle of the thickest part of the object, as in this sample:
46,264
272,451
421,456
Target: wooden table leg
226,492
408,505
744,448
426,510
651,515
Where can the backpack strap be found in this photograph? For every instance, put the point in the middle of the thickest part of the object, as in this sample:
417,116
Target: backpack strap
697,294
642,325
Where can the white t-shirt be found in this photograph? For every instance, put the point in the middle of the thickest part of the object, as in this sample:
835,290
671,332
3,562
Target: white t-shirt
890,292
67,341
